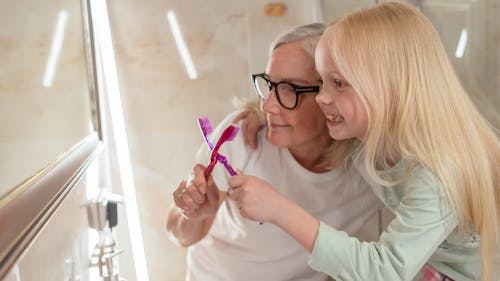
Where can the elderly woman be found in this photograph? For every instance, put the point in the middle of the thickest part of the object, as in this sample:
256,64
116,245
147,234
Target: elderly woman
294,153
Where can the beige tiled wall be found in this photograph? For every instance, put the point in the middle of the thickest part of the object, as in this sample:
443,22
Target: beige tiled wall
37,121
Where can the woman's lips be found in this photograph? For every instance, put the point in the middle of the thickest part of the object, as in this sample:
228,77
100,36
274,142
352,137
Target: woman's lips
276,125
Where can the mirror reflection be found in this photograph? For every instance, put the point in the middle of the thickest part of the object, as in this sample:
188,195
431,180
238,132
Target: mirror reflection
44,95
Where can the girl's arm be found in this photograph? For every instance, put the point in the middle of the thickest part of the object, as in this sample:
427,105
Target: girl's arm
297,222
421,224
257,200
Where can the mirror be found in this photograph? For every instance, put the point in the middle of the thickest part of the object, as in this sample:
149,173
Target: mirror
44,89
48,115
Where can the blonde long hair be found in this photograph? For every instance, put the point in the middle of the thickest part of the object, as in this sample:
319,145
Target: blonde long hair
417,109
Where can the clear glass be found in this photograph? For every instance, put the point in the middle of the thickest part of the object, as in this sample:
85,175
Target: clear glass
44,91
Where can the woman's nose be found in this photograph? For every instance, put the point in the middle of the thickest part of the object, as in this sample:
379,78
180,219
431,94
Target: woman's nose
270,104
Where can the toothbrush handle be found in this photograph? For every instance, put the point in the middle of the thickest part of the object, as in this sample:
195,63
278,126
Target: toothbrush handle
230,169
209,169
224,161
211,165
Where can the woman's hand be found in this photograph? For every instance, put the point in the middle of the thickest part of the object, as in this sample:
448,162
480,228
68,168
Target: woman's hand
256,199
197,198
195,205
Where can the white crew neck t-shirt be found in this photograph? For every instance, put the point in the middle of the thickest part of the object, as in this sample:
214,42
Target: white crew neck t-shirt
238,249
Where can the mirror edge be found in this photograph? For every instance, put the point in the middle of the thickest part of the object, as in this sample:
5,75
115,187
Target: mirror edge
27,208
32,203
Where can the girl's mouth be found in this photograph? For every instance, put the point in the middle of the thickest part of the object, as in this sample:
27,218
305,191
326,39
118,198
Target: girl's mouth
334,118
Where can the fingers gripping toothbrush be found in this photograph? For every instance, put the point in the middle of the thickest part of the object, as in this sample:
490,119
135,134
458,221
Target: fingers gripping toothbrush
228,135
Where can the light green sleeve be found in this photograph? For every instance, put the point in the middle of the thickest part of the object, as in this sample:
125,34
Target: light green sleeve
421,223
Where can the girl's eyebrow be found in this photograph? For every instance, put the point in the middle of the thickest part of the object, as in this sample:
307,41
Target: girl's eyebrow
337,75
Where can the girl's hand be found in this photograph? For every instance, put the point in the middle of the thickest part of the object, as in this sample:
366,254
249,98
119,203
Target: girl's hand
256,199
259,201
197,198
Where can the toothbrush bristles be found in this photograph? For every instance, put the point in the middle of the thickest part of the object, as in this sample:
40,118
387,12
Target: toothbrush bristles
205,126
233,133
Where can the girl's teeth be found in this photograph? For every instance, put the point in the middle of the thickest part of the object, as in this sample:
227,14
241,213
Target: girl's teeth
335,118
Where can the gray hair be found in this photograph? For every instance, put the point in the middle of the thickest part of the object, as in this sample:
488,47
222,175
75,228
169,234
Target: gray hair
308,34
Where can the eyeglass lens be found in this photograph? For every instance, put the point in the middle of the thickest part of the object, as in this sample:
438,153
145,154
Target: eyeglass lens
284,92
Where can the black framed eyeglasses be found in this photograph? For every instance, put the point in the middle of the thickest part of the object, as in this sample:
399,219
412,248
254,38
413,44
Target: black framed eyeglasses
287,93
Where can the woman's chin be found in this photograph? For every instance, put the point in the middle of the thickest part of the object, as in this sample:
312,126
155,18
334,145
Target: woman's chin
276,140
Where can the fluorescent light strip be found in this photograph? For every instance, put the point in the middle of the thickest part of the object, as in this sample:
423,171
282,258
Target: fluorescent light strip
55,49
92,178
462,43
181,45
107,57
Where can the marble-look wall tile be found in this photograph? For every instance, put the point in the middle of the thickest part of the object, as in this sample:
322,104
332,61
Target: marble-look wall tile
38,122
492,24
479,67
263,29
161,103
334,9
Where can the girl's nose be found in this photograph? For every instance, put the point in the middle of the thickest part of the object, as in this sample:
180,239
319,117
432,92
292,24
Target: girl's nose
323,97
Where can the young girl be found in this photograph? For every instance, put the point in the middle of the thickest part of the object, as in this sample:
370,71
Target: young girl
426,150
